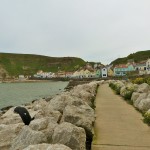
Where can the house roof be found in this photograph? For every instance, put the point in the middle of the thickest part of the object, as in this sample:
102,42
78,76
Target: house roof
121,66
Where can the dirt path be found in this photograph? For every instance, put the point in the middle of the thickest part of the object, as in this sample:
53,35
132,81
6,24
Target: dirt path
118,125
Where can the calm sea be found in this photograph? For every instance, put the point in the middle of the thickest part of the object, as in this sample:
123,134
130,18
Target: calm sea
12,94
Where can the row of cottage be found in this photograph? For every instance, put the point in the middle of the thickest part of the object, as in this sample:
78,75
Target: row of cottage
101,71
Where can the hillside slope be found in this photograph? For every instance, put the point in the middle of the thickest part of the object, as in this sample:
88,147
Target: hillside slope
29,64
138,56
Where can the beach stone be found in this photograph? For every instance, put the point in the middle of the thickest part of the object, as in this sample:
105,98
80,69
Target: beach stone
27,137
7,134
143,88
69,135
47,147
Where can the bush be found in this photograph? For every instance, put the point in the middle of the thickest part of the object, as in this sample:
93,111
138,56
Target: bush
115,87
147,118
141,80
138,81
128,95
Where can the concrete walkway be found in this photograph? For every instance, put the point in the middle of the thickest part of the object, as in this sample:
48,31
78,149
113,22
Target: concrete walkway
118,125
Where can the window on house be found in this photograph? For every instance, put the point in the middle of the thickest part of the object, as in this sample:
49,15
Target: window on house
104,75
144,68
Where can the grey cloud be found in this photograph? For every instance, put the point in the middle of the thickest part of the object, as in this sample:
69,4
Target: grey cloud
97,30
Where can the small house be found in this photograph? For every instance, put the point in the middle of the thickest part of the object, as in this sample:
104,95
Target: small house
104,72
148,66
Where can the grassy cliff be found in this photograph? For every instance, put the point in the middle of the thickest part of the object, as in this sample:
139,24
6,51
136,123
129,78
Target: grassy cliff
137,57
29,64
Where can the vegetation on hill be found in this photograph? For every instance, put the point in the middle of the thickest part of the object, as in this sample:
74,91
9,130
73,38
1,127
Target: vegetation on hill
29,64
137,57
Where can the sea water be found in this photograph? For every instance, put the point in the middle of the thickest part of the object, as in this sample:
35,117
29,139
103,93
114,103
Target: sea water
13,94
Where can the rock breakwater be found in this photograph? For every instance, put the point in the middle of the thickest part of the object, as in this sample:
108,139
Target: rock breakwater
64,122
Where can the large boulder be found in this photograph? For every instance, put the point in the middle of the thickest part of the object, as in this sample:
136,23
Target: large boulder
45,125
82,116
39,104
27,137
143,88
86,92
135,96
10,117
70,135
39,124
84,95
48,111
7,134
141,96
144,105
59,102
47,147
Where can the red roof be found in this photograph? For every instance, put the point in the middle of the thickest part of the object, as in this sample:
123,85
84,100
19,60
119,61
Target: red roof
121,66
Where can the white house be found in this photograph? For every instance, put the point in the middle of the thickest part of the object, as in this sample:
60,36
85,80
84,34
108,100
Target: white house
104,72
148,66
21,77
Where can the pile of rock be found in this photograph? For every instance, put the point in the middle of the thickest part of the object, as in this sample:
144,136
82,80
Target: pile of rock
139,94
64,122
141,97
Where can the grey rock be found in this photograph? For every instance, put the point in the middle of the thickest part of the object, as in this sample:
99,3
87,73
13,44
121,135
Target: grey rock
141,96
135,96
47,147
143,88
27,137
7,134
81,116
144,105
69,135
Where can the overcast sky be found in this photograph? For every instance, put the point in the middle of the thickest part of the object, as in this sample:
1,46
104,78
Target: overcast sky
94,30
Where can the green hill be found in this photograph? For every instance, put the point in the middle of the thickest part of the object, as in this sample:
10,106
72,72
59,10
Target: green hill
137,57
29,64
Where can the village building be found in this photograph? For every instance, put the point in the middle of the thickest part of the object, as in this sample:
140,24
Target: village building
21,78
104,72
141,67
148,66
42,74
110,72
122,70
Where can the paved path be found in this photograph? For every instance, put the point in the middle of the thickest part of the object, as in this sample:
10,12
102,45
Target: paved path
118,125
